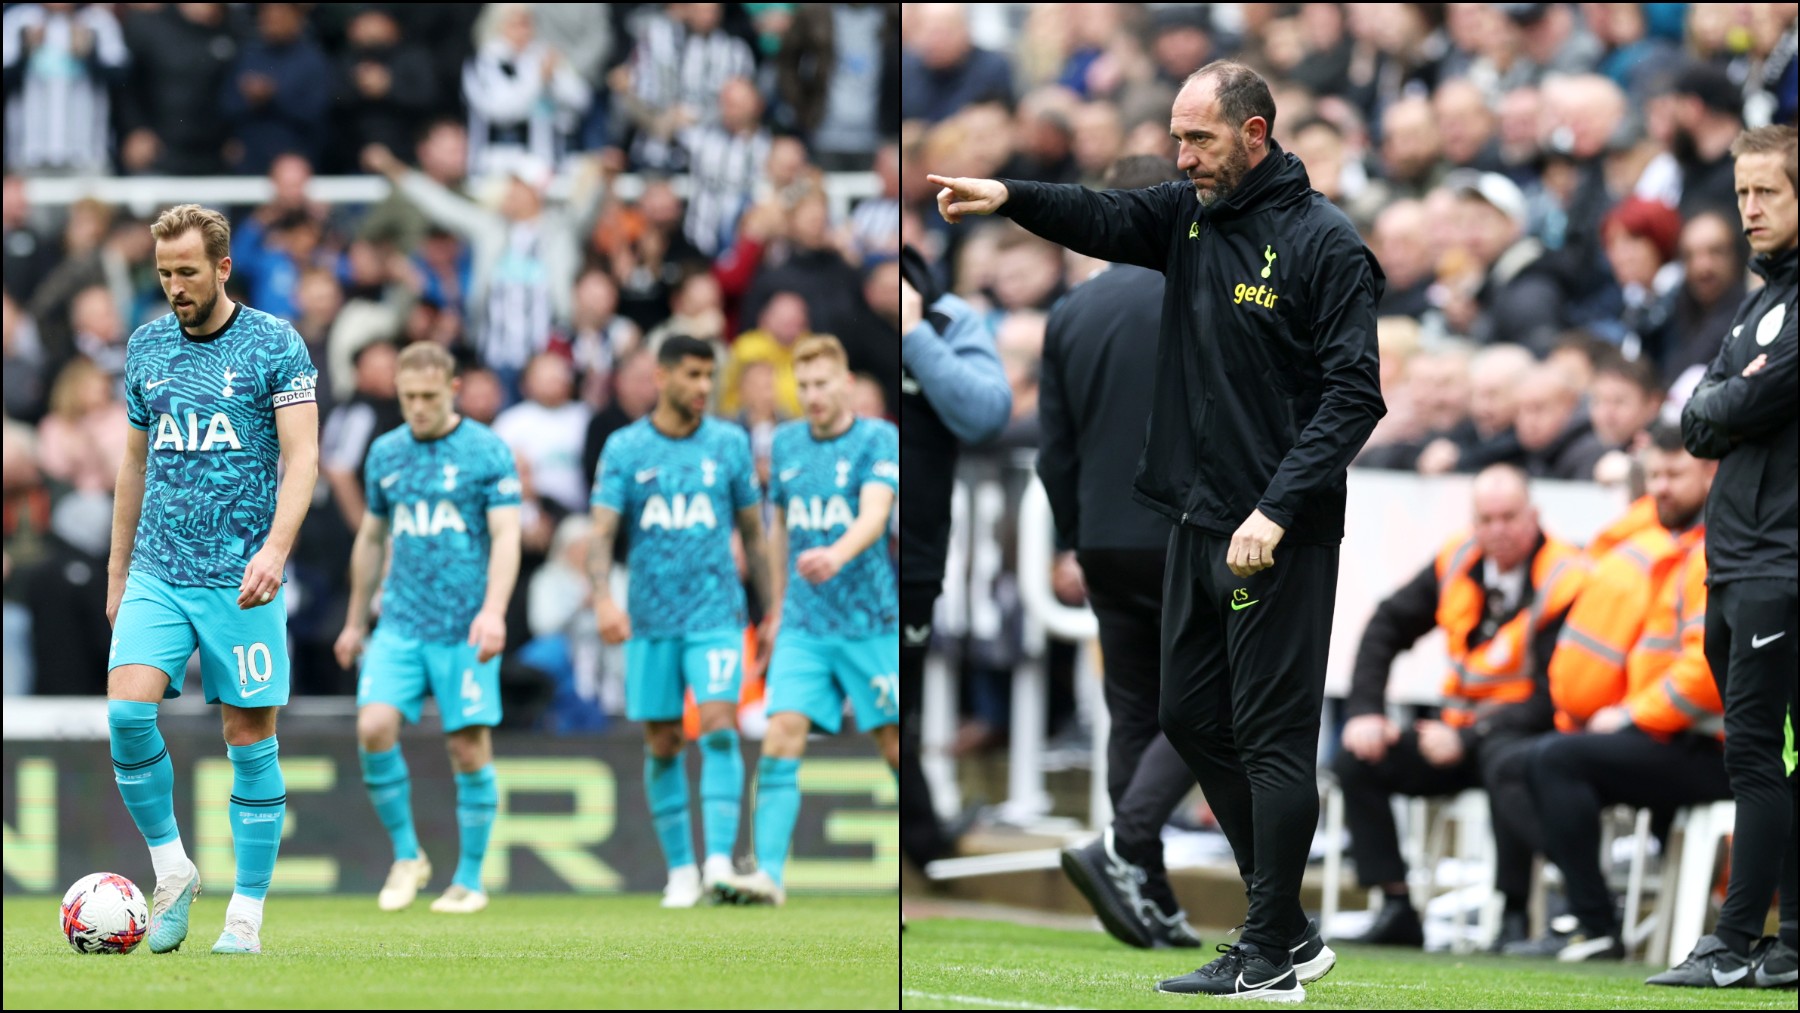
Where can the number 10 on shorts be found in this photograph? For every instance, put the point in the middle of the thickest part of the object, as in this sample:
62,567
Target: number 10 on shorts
254,662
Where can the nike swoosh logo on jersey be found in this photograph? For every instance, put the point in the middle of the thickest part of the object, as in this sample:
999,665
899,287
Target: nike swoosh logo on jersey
1757,642
646,475
248,693
390,480
159,383
788,475
1727,980
918,634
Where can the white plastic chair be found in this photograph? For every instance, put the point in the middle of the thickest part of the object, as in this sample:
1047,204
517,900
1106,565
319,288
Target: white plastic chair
1702,828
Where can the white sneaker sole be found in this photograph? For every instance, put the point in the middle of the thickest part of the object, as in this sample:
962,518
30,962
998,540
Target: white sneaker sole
1295,994
1316,968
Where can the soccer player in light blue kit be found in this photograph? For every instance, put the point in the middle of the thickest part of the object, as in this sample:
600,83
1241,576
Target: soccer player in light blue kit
833,480
678,480
447,489
216,394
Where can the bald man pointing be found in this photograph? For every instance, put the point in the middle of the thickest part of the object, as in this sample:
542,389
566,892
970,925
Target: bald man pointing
1267,384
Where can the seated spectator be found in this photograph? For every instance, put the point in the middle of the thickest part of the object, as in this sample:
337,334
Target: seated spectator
121,263
874,226
278,97
633,395
100,333
782,324
1500,594
1640,237
1630,675
696,310
1397,341
942,71
23,371
867,398
1437,392
1466,126
66,592
1500,295
372,409
1401,241
598,334
1701,308
759,413
1555,435
481,397
525,98
1495,374
81,443
546,431
1411,151
1622,402
815,270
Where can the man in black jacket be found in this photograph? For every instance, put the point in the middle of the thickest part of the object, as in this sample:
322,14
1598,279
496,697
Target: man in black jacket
1095,388
1267,384
1746,413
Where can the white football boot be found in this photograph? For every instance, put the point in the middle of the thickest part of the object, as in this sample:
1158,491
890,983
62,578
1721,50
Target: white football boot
684,887
460,900
407,877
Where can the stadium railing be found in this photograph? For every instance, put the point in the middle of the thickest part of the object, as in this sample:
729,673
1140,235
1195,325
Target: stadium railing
147,195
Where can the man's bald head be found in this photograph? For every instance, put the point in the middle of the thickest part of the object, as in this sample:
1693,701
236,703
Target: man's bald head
1506,524
943,35
1495,374
1547,399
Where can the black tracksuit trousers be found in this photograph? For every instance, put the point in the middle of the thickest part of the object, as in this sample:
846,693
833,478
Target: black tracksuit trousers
1145,777
921,836
1753,648
1242,685
1573,777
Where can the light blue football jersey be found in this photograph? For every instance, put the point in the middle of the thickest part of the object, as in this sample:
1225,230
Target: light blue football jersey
819,484
679,499
208,408
435,495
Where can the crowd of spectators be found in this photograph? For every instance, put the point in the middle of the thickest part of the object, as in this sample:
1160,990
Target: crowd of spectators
1542,183
571,184
1547,187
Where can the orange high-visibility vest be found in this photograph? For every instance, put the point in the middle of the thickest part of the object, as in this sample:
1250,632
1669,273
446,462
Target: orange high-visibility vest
1587,672
1498,671
1641,514
1671,686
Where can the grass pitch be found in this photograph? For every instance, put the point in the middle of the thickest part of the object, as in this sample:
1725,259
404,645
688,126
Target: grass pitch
523,952
963,964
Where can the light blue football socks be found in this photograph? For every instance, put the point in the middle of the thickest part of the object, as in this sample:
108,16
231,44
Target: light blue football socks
390,789
477,799
777,807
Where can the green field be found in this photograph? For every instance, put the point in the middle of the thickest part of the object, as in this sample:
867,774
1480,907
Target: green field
523,952
963,964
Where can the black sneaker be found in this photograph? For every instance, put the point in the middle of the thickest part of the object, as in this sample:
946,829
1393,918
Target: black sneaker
1546,946
1515,927
1167,922
1711,965
1775,965
1241,972
1114,887
1581,948
1312,958
1396,924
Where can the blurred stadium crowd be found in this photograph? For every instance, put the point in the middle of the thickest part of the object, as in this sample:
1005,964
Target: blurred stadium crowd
1547,187
695,144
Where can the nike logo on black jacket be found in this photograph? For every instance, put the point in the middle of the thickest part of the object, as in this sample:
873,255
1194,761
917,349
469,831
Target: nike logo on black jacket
1268,380
1752,425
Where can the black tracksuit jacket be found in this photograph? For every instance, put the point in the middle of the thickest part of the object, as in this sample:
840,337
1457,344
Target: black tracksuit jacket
1751,424
1267,377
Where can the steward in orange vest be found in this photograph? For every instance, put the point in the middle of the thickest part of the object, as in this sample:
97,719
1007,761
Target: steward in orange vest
1651,712
1500,595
